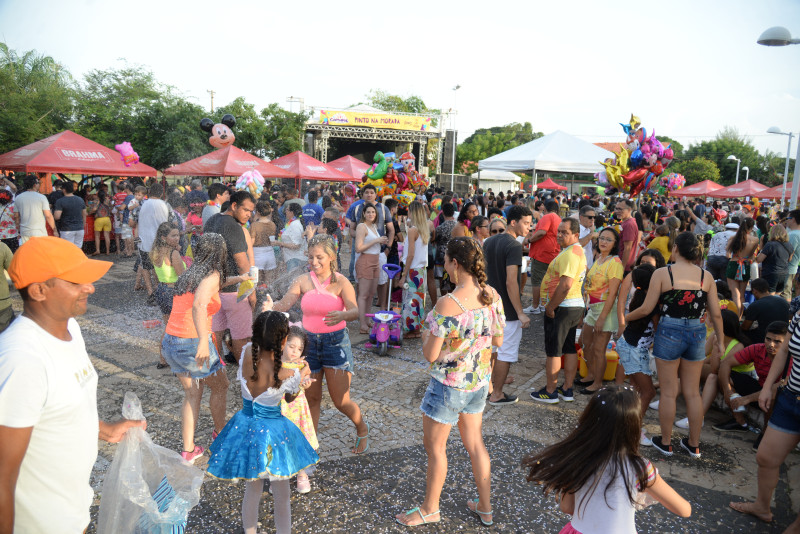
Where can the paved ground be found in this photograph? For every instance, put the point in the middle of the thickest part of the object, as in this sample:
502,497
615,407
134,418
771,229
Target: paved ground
361,494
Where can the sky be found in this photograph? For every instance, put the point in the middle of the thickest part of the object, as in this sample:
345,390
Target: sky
686,68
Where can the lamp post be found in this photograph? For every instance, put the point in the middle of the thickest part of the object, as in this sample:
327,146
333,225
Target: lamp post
776,130
746,173
777,36
738,161
453,167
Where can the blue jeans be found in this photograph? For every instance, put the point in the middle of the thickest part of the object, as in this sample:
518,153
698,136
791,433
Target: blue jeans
330,351
443,404
180,354
786,414
680,339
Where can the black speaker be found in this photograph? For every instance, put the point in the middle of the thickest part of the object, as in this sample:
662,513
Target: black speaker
450,139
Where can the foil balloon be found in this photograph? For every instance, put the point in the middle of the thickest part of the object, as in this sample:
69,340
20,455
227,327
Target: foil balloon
601,178
129,157
636,158
635,176
251,181
405,198
378,171
221,133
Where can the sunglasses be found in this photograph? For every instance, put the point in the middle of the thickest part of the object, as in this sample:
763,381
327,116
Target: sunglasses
590,216
498,231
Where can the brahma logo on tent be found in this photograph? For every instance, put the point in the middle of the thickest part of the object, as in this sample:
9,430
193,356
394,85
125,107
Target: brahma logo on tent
246,163
82,155
316,168
210,161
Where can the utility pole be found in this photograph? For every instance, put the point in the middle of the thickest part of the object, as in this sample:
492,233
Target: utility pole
298,99
212,93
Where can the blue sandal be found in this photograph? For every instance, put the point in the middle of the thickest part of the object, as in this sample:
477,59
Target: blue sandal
358,441
479,513
421,516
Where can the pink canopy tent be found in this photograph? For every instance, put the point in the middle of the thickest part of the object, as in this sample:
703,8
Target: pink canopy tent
550,185
228,161
301,166
748,188
777,191
700,189
350,166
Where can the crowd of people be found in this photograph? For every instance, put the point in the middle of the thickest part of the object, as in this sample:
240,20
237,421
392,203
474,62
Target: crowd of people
697,298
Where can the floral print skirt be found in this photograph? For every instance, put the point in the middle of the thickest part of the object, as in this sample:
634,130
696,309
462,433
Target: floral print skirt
414,302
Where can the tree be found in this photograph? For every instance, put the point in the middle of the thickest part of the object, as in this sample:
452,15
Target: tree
487,142
283,130
250,129
729,142
36,97
677,148
695,170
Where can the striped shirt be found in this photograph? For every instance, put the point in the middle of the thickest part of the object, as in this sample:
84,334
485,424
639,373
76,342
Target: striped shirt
793,382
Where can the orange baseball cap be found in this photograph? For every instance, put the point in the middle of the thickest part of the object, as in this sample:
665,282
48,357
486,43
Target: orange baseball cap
43,258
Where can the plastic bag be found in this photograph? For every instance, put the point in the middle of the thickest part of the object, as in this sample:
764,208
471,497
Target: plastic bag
147,489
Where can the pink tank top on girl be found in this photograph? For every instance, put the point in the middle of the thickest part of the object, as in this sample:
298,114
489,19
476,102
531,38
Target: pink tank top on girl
316,304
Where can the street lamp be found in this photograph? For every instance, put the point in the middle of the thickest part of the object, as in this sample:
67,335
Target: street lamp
738,161
453,167
777,36
776,130
747,173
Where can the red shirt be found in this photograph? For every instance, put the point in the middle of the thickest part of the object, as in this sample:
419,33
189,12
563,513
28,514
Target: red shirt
546,249
756,354
630,232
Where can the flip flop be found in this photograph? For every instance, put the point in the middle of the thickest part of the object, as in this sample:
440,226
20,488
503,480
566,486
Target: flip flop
358,442
479,513
423,517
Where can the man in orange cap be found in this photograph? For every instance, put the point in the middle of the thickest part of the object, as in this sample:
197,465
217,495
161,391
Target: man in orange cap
48,393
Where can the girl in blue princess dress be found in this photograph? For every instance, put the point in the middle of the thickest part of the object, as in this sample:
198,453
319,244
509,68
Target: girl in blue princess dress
259,442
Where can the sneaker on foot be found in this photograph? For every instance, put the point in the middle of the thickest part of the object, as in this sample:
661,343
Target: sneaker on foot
194,455
731,425
666,450
303,484
505,400
654,405
684,423
565,394
694,452
529,310
543,396
538,310
644,440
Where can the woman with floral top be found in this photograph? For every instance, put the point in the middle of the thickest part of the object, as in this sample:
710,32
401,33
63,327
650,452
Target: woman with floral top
458,337
8,227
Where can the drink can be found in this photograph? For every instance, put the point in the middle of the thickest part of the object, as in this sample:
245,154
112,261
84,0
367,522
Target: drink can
254,273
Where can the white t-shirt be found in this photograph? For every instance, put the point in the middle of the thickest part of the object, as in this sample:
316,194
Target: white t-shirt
587,248
50,385
154,212
719,243
208,211
420,259
31,207
294,234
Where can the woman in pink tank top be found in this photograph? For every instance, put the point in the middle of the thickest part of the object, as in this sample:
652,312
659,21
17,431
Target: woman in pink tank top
328,301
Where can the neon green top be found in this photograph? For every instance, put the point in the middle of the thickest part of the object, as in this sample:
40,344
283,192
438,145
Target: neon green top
166,273
744,368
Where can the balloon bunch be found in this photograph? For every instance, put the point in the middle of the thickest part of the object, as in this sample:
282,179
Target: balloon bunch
251,181
392,176
641,161
129,156
673,181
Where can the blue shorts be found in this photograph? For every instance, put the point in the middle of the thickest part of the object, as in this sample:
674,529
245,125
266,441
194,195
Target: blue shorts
680,339
786,414
330,351
180,354
443,404
633,359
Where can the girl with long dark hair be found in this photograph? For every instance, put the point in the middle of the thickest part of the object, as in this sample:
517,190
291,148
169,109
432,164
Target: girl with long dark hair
742,249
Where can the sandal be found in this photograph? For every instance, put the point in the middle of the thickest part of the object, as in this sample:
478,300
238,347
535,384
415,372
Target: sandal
358,442
160,365
421,516
479,513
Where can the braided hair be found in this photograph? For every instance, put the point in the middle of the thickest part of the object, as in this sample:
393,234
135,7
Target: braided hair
468,253
270,330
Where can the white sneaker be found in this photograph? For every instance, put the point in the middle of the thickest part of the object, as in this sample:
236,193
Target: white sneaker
684,423
539,310
654,405
644,440
529,310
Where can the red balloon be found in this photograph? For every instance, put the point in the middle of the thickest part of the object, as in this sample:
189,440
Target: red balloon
635,175
657,169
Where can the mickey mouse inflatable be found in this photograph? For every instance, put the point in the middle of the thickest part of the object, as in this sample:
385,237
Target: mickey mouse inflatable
221,134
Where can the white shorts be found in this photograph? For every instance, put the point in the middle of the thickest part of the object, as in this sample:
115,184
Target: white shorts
383,278
264,258
512,335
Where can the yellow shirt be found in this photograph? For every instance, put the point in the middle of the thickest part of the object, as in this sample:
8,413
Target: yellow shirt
570,262
600,276
661,244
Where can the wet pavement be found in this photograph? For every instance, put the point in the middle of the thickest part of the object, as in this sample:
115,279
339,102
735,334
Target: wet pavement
361,494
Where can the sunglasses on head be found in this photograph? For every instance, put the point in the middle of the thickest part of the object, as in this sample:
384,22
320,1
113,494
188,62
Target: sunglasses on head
498,231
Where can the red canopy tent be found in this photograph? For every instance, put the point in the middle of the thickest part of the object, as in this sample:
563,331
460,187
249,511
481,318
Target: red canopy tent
350,166
748,188
228,161
777,191
700,189
301,166
551,185
68,152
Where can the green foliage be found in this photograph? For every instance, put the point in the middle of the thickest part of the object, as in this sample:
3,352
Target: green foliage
283,130
676,147
730,142
250,129
696,170
36,97
487,142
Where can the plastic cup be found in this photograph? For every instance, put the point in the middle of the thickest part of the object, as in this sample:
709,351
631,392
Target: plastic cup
152,323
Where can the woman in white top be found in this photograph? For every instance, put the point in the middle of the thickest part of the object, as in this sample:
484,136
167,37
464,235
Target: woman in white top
415,263
292,239
368,247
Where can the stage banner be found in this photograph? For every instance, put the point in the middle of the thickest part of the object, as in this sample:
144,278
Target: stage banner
374,120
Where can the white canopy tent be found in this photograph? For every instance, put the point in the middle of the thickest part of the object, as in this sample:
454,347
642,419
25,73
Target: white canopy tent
497,180
555,152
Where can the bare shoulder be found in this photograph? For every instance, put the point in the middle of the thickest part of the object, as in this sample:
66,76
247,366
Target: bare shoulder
447,306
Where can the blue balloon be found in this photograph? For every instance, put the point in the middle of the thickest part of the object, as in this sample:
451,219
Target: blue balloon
636,158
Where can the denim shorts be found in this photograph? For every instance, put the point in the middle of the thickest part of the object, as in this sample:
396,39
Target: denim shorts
330,351
180,354
786,414
680,339
443,404
633,359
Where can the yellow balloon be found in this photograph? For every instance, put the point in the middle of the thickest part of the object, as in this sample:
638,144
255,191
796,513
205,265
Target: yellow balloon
635,122
622,162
